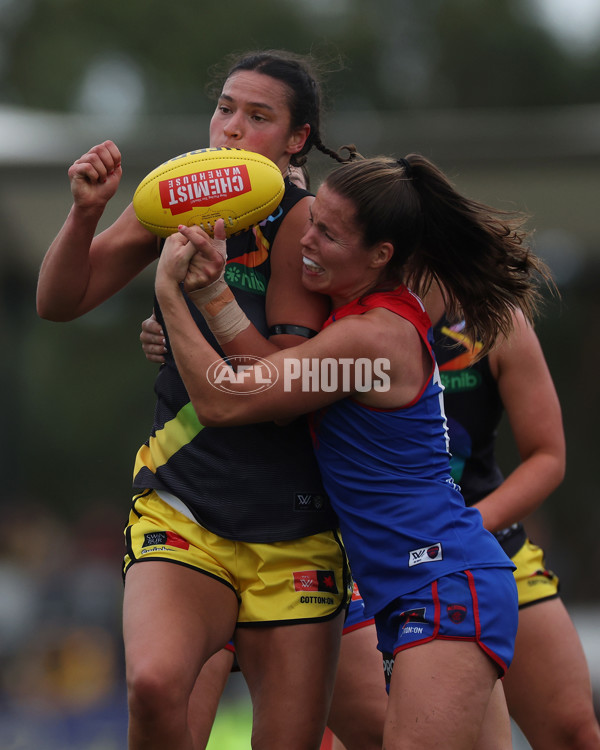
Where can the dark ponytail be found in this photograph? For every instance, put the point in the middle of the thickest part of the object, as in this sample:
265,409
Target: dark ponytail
477,254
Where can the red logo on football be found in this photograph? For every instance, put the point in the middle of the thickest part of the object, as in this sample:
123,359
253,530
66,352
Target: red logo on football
183,193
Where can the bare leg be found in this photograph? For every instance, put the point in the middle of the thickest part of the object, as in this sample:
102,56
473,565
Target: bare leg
206,695
548,684
290,671
174,619
495,732
357,713
439,696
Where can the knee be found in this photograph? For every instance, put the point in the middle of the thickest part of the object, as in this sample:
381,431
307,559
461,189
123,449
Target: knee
579,730
582,734
152,691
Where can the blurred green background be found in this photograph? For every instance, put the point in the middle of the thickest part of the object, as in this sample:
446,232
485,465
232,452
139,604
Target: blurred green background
503,94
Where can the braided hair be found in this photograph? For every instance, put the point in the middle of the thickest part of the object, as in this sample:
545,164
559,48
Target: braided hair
298,74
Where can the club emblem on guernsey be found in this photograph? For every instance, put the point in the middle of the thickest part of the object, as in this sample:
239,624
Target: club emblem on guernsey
315,580
457,612
433,553
164,539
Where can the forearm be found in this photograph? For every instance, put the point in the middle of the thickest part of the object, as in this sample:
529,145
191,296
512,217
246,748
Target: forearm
522,492
192,352
65,271
235,333
194,357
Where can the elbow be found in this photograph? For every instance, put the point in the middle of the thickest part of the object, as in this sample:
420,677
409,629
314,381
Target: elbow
561,462
47,309
44,311
212,414
556,471
561,470
47,312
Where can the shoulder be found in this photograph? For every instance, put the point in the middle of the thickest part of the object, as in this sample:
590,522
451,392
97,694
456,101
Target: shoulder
288,222
520,348
374,332
295,200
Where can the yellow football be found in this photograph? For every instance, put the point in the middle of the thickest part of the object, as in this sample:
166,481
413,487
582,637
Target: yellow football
199,187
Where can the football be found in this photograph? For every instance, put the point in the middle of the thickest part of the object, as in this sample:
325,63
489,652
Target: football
199,187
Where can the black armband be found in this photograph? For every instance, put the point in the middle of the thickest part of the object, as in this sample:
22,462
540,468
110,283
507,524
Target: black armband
292,330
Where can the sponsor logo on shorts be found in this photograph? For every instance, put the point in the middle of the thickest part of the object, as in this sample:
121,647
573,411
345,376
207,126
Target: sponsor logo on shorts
162,538
356,597
412,615
412,630
316,600
308,502
543,577
457,612
388,666
433,553
315,580
411,621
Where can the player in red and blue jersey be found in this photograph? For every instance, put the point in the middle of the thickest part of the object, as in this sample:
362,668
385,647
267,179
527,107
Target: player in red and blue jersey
439,585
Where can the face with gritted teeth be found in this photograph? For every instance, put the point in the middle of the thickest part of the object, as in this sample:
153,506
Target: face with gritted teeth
336,260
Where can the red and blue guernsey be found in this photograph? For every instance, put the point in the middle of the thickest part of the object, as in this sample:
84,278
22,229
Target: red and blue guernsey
387,472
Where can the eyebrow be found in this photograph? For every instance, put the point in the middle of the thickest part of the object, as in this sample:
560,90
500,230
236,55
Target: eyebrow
258,105
319,224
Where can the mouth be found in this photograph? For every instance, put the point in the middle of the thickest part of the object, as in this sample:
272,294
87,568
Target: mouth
311,266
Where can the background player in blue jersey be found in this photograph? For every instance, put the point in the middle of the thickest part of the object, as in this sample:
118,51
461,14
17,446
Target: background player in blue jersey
440,587
214,518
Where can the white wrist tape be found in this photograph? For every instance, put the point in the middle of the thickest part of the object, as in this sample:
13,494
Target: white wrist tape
220,310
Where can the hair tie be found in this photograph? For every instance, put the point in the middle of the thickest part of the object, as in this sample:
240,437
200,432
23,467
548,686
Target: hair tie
405,164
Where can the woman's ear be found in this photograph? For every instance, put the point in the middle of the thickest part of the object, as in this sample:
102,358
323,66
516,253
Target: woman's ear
382,254
298,138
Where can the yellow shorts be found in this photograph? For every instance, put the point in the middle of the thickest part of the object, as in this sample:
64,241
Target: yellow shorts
534,581
298,581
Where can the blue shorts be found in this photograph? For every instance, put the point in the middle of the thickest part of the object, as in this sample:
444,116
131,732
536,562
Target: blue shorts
475,605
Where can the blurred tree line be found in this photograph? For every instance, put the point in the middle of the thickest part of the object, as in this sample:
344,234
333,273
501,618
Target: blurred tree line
390,54
79,402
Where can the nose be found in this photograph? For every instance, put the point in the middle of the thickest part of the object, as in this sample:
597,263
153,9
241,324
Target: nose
233,127
305,239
